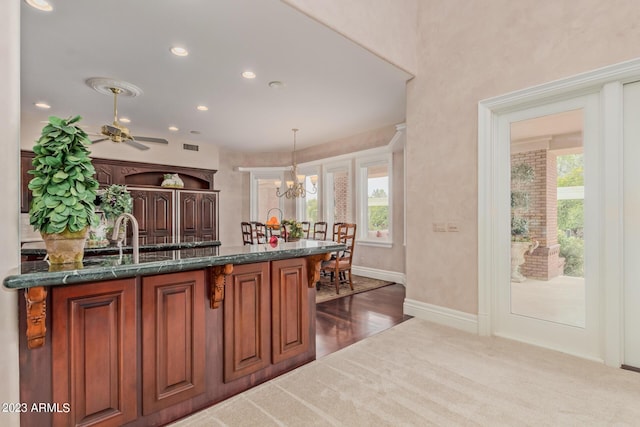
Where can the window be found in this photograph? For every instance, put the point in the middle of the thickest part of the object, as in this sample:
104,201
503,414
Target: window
337,191
263,195
307,207
374,200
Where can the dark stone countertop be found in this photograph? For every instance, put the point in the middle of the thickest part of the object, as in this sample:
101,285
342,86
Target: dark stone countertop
37,249
95,269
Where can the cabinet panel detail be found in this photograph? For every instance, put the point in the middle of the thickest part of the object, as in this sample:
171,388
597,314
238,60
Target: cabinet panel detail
94,341
198,215
247,324
173,335
290,310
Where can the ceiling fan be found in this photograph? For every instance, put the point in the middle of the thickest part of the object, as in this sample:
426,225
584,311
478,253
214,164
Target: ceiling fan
116,132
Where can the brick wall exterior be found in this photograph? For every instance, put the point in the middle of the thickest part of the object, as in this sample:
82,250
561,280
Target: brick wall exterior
341,198
542,214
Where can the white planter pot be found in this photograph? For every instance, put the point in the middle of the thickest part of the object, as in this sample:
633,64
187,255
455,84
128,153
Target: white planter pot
518,249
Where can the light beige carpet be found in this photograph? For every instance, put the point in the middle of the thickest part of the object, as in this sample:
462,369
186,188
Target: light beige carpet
420,374
327,289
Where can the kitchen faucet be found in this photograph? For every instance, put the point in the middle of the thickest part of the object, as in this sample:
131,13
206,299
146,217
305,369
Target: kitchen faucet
134,237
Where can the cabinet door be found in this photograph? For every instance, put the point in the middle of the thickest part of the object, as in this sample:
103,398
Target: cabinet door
26,159
140,200
94,348
160,220
154,212
189,216
208,216
289,308
173,335
198,216
247,323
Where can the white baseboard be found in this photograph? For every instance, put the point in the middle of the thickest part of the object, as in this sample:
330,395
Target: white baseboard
442,315
374,273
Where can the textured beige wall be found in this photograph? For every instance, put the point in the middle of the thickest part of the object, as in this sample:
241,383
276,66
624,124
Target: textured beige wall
385,27
9,214
234,200
469,51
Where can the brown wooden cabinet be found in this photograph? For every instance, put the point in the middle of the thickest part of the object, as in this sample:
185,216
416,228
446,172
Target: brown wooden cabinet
247,321
94,343
198,213
173,339
154,210
26,159
289,309
266,316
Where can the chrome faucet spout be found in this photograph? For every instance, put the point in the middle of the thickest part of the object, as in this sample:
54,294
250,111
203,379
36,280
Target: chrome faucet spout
134,237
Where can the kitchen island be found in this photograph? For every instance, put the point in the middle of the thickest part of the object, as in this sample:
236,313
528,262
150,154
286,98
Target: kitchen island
112,342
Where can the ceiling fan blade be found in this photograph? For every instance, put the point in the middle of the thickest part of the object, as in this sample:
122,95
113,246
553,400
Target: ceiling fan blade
136,144
149,139
99,140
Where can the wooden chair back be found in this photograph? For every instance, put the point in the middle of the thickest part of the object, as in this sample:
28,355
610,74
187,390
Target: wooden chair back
306,227
247,234
347,236
259,231
320,230
336,228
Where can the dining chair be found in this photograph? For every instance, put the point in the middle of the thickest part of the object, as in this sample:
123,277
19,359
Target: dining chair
320,230
336,229
259,232
247,233
340,266
306,226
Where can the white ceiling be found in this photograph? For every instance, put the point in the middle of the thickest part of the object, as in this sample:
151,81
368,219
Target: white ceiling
334,88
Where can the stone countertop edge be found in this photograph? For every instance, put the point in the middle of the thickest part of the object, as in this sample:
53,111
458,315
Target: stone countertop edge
69,277
111,249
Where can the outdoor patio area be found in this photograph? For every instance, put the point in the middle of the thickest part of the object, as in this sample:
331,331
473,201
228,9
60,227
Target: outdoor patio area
561,299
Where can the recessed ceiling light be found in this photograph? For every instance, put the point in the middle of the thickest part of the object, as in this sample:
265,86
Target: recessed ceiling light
179,51
249,75
173,128
42,105
202,108
42,5
124,120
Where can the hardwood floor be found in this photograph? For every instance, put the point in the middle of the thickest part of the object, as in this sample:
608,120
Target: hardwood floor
344,321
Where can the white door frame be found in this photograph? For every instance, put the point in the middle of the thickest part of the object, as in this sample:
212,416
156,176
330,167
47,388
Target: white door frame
608,82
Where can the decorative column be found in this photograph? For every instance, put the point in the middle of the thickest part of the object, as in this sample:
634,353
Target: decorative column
544,263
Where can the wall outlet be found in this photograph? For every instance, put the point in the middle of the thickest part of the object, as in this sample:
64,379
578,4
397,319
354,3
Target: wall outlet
452,227
439,227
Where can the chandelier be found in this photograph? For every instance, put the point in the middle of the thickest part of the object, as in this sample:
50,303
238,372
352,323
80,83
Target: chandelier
295,185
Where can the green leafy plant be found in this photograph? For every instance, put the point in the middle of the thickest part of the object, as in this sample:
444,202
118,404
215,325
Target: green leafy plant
63,186
115,200
293,227
521,175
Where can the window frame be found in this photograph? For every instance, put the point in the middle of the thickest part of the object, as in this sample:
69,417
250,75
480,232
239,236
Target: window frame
362,165
273,174
327,195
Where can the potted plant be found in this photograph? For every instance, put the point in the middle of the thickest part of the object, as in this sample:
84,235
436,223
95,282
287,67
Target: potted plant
64,189
521,175
114,201
292,230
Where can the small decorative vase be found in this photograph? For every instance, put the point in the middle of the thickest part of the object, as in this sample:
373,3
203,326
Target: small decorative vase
66,247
